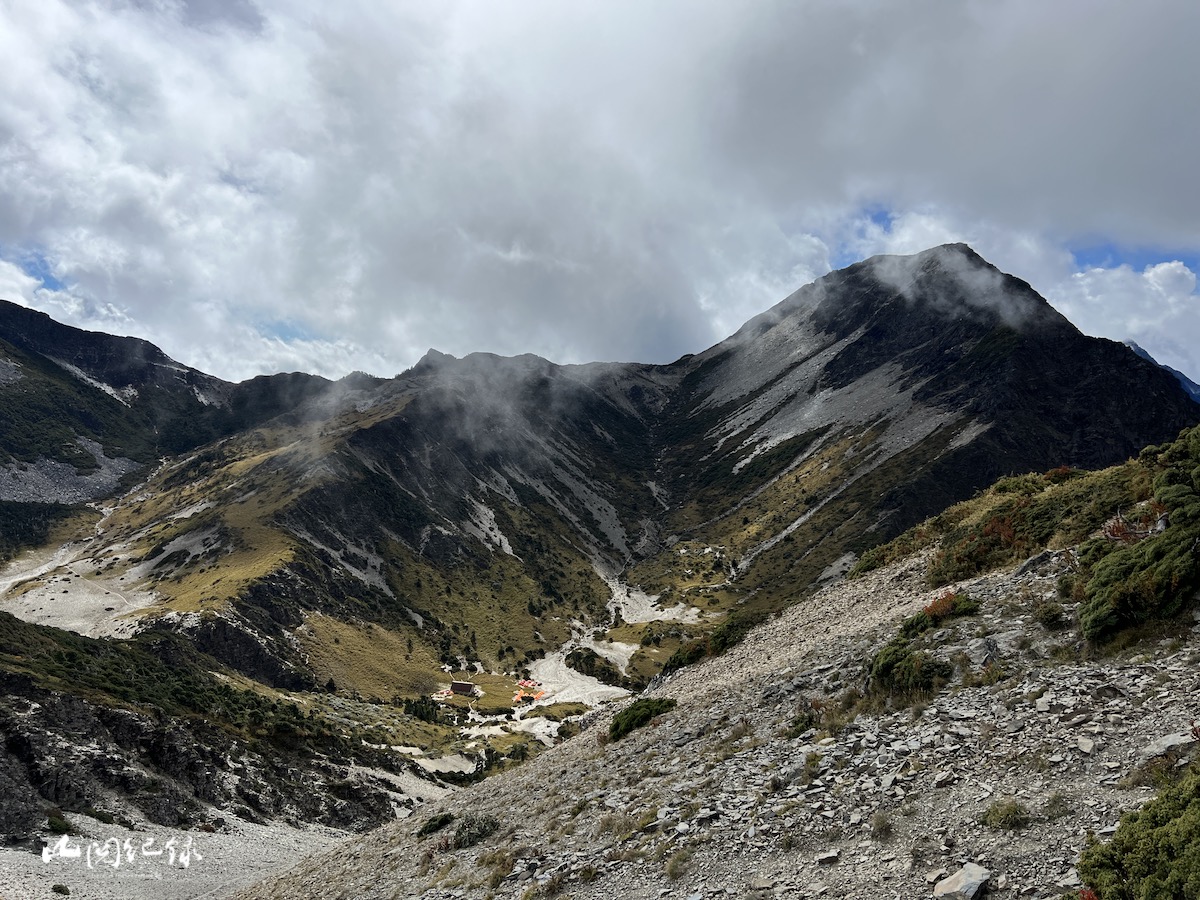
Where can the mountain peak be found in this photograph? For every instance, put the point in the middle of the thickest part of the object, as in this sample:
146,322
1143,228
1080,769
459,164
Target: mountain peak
432,361
434,357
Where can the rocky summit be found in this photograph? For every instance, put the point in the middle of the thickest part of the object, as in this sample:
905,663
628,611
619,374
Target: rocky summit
298,603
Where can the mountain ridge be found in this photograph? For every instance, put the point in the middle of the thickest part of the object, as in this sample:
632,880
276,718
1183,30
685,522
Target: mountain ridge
356,544
1192,388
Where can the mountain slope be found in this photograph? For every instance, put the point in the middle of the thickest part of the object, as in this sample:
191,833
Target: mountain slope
802,764
498,518
83,409
780,772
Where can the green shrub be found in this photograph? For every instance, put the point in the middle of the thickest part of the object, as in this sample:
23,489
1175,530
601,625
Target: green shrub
1133,585
1065,587
1050,615
1155,853
423,708
473,828
902,672
728,634
1007,815
56,822
688,654
1138,581
638,714
435,823
917,623
950,605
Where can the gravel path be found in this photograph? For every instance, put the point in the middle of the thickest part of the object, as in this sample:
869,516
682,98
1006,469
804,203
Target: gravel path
218,865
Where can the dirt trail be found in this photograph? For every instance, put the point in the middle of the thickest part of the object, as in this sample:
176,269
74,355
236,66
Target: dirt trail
59,588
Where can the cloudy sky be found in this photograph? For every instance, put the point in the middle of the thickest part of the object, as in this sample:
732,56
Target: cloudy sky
277,185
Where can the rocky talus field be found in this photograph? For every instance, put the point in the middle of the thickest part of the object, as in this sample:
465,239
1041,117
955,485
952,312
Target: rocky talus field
781,771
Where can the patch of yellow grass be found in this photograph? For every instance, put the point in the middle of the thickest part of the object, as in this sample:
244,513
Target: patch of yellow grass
370,659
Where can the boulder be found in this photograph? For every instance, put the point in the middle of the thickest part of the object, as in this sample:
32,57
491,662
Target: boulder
963,884
1163,744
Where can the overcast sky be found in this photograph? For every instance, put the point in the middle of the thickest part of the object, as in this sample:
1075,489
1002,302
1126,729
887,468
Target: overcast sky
278,185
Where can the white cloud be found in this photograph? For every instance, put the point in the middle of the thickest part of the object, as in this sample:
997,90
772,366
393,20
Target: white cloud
1157,308
908,232
590,180
15,285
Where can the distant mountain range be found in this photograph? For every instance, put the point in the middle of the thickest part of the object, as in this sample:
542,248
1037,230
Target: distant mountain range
1190,386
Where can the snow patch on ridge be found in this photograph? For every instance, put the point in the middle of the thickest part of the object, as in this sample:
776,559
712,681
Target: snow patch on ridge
123,395
482,525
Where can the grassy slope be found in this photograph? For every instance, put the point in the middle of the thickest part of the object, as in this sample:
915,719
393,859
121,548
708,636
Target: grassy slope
161,675
1137,524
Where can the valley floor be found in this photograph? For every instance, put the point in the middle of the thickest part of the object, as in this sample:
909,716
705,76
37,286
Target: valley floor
725,797
65,588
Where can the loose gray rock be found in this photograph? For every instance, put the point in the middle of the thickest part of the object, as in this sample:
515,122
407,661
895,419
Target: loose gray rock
1165,743
963,884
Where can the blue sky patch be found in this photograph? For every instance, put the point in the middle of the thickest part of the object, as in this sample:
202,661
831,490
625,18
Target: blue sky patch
1111,256
845,254
33,264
